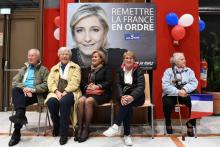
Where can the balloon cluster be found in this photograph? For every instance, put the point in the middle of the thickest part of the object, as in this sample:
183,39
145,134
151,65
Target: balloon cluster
56,33
178,31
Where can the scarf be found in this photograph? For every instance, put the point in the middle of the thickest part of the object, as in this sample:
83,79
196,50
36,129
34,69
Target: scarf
91,77
64,74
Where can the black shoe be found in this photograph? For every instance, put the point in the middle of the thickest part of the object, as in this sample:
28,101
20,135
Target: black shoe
85,134
19,120
76,138
15,138
83,139
63,140
78,134
169,129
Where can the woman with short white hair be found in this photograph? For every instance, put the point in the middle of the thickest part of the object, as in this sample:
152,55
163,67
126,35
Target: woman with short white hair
63,84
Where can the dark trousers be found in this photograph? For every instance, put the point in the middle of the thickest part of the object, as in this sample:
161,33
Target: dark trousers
60,112
125,114
169,103
20,101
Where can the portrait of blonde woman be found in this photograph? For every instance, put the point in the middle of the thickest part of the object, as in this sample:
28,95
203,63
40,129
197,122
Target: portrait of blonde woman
89,29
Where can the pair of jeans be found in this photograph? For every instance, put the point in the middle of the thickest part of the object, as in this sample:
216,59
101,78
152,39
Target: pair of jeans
126,112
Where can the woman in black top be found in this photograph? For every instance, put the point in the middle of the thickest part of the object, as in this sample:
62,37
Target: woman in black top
130,90
97,77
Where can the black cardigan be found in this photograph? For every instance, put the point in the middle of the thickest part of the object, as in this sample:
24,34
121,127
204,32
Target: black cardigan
138,84
103,77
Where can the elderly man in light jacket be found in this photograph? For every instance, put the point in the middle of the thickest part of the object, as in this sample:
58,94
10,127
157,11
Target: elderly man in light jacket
177,83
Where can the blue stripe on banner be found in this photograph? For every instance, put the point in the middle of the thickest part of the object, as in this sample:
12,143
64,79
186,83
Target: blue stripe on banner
201,97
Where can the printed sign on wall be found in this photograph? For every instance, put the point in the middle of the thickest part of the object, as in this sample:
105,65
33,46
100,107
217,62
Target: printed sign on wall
126,26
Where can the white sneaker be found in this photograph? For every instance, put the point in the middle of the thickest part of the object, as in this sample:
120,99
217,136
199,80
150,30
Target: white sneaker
128,140
112,131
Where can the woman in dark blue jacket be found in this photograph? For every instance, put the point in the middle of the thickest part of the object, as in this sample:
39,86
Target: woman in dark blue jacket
130,90
95,78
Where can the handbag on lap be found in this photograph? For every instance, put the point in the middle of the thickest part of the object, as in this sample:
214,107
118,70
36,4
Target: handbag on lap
62,84
94,92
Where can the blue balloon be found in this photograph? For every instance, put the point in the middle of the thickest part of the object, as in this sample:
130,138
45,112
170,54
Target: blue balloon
172,19
201,25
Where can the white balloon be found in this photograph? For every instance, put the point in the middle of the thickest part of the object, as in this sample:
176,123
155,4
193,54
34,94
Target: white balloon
57,34
186,20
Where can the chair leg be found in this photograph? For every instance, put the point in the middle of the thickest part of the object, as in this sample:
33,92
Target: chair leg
12,113
152,122
48,117
195,131
45,128
112,113
164,127
38,129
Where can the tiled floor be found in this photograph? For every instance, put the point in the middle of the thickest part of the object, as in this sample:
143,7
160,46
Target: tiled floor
208,132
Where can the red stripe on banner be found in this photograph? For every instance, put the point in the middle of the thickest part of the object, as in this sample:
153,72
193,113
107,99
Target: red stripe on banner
50,44
199,114
63,17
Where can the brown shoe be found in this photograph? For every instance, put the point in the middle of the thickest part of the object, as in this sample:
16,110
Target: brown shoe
190,131
169,129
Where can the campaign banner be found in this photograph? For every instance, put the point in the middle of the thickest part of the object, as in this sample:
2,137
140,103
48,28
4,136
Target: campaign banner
131,27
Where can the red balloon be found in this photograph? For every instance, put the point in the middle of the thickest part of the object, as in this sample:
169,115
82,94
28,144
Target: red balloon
57,21
178,32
